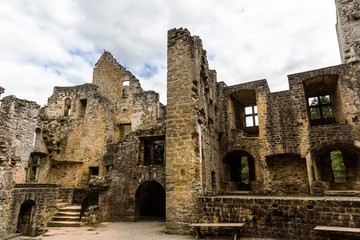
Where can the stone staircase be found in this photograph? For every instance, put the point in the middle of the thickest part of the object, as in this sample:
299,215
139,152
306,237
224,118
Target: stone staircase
67,216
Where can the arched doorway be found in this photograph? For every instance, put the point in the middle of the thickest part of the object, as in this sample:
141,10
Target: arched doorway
150,201
25,219
239,170
338,165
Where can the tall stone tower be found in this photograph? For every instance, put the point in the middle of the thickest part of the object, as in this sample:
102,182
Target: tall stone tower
190,132
348,29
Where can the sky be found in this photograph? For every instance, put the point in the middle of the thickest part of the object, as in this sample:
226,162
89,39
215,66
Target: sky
57,43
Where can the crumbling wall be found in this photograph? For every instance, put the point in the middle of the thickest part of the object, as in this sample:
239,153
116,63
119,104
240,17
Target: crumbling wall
348,30
18,121
126,173
76,139
45,198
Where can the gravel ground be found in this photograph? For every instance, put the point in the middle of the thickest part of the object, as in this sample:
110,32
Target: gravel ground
142,230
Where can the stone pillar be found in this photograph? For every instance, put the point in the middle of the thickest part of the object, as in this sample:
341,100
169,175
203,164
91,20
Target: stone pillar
183,184
348,29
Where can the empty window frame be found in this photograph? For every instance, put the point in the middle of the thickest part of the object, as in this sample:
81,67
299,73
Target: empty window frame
33,168
338,166
67,107
82,108
320,107
251,116
125,129
94,171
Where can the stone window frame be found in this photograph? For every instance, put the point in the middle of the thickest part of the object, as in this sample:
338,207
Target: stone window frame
32,166
144,141
253,115
67,107
320,105
82,106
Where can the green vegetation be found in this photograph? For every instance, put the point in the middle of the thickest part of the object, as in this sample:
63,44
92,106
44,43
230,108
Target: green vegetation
338,166
59,141
245,176
49,120
45,130
321,103
353,62
356,16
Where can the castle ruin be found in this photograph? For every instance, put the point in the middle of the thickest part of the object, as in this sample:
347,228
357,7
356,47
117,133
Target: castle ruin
281,162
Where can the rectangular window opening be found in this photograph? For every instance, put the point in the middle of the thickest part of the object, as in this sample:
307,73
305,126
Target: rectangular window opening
82,108
320,108
251,116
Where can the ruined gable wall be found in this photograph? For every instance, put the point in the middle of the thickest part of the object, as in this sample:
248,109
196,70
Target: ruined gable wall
348,29
130,103
78,140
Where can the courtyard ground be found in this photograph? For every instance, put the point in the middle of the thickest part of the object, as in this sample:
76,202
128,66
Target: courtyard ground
144,230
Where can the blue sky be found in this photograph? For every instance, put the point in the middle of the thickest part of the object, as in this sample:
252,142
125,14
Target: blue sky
56,43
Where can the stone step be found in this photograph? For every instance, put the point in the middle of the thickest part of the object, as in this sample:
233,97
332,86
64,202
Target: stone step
73,208
66,218
60,205
64,224
77,214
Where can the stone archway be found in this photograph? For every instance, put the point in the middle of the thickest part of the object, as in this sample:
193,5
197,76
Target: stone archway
327,173
26,218
150,201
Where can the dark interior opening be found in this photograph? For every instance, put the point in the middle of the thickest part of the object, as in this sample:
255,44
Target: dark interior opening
150,201
25,219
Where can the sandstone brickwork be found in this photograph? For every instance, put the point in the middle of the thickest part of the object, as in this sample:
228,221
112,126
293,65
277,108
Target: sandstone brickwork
348,30
281,162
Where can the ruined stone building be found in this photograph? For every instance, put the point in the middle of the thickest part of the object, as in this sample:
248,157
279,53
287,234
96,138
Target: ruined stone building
282,162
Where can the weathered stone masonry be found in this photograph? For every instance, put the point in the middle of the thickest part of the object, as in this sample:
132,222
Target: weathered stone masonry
215,153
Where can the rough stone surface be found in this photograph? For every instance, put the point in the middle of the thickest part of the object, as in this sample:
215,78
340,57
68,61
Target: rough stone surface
215,153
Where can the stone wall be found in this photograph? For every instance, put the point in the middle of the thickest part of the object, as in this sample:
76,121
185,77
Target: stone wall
18,121
282,217
126,173
44,196
347,26
191,142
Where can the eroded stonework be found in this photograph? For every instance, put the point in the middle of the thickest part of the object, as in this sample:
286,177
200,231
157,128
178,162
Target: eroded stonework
280,162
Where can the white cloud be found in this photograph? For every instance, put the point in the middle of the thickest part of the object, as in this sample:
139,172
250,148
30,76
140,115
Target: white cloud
57,42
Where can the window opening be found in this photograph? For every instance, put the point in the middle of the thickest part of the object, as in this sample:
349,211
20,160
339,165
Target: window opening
67,107
33,169
213,180
94,171
251,116
125,129
338,166
245,175
154,152
82,107
320,107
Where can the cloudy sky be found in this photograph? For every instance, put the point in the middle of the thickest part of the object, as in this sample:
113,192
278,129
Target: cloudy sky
56,43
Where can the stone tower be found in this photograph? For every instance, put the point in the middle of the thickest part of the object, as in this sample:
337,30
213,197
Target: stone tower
190,129
348,29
